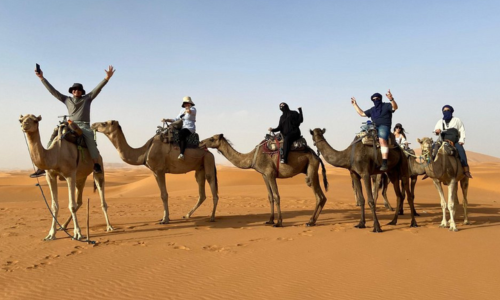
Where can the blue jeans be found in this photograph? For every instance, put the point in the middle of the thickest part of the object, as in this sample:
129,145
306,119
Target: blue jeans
462,155
383,132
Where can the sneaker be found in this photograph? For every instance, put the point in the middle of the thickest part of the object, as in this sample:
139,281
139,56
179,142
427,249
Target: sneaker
37,173
97,168
384,167
180,157
282,161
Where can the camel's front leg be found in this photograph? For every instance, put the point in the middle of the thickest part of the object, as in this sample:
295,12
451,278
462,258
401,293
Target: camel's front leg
80,184
385,185
371,203
270,198
439,188
160,180
452,203
52,181
73,206
200,179
358,190
464,185
413,182
276,199
99,182
211,177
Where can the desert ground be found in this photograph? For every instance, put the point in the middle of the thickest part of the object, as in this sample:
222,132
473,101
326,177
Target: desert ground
238,256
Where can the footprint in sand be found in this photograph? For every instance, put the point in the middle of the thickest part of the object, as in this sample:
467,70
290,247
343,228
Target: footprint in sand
74,252
306,233
202,228
215,248
140,243
284,239
181,248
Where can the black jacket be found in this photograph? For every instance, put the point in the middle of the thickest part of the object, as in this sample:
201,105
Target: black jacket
290,121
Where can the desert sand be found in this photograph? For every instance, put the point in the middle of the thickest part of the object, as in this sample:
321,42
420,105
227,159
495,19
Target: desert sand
238,257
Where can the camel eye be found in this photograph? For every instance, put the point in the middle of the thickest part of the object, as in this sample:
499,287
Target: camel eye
211,139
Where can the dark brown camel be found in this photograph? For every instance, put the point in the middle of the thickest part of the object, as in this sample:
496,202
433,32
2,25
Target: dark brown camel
360,160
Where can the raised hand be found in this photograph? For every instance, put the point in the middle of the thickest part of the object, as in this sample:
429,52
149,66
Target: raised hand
389,95
109,72
270,129
39,75
353,101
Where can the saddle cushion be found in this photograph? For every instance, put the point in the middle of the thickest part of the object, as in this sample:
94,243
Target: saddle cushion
171,136
271,143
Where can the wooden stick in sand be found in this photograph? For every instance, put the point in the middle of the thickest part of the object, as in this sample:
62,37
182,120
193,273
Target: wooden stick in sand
88,231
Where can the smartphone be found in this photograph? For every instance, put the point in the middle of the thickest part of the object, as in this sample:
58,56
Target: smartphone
38,68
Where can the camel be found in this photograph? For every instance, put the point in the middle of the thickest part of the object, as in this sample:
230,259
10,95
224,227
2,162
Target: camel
448,170
306,162
161,158
61,159
361,163
381,181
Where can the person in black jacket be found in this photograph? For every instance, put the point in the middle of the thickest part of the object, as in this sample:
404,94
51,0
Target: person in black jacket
289,127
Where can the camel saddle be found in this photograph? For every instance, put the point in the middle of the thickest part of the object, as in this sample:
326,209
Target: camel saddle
273,142
449,148
71,133
367,139
170,135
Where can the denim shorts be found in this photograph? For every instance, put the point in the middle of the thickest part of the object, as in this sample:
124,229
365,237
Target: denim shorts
383,132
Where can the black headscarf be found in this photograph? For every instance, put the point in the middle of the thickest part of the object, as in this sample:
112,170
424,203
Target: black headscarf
377,101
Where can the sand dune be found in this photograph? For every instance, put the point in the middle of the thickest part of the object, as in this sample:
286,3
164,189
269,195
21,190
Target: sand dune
238,257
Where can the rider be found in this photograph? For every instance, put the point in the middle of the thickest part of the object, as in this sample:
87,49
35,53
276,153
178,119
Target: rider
449,121
381,115
188,116
289,124
400,135
79,112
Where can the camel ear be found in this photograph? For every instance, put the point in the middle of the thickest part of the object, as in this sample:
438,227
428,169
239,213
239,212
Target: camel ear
20,117
419,141
113,122
310,131
324,130
39,118
221,135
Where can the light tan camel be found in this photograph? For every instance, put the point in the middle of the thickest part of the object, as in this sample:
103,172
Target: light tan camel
360,161
448,170
306,162
382,181
161,158
61,160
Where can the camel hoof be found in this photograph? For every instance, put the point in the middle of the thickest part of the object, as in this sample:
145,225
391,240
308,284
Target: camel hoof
50,237
110,228
269,223
401,213
466,223
164,222
310,224
442,226
360,225
392,223
390,208
278,225
377,229
454,229
416,214
413,224
212,219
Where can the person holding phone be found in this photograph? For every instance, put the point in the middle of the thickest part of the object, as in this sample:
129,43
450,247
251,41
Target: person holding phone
381,114
188,116
78,106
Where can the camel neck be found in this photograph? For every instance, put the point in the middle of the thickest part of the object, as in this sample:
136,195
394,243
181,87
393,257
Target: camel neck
242,161
132,156
39,155
336,158
416,168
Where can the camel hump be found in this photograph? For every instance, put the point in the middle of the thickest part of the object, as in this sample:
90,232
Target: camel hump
171,135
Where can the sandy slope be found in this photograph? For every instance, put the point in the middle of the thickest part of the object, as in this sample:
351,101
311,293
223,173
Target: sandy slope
238,257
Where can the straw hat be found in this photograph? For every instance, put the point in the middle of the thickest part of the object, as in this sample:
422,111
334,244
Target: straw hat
187,99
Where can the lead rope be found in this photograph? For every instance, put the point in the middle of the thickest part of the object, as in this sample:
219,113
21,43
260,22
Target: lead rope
47,204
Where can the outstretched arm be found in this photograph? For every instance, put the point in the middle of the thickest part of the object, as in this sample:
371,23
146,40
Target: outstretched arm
393,102
356,107
50,88
301,115
109,73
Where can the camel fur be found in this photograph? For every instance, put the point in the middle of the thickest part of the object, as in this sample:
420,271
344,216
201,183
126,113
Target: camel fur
361,163
161,158
306,162
61,160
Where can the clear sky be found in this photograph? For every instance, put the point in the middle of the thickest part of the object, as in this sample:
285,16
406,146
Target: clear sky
239,59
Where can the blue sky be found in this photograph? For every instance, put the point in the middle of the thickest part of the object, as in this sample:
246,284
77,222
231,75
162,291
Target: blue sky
239,59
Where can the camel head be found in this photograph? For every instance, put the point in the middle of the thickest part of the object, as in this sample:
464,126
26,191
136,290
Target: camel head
212,142
317,134
106,127
29,123
426,145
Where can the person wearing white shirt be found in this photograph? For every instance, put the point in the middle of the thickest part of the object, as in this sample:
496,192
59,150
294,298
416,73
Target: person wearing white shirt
400,135
448,122
188,116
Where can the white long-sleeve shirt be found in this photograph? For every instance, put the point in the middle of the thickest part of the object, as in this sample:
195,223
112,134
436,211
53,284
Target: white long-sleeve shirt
454,123
188,120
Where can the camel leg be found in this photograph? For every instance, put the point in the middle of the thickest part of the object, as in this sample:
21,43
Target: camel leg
412,191
52,181
403,197
371,203
439,188
395,180
452,200
358,189
270,198
376,180
406,183
160,180
318,193
385,185
99,181
200,179
464,185
356,199
276,200
80,184
71,180
211,177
